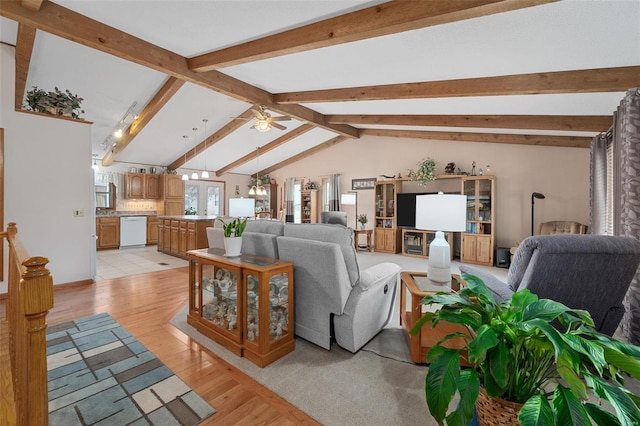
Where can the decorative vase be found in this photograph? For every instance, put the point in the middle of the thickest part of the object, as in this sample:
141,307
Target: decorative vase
362,225
495,411
232,246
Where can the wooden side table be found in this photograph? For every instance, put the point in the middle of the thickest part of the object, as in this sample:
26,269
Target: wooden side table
414,286
368,233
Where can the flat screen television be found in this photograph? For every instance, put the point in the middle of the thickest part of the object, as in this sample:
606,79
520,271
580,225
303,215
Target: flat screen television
406,209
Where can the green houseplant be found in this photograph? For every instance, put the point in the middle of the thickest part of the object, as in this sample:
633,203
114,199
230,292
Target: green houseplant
233,236
425,173
56,103
518,356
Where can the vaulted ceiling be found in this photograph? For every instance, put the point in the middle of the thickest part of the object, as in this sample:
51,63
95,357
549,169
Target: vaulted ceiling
539,72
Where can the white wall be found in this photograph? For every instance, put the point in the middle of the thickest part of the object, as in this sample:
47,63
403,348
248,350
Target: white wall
561,174
47,176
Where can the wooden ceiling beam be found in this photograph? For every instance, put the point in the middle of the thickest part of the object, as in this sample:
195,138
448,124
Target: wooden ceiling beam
298,131
586,123
33,5
216,137
380,20
159,100
24,48
618,79
73,26
304,154
539,140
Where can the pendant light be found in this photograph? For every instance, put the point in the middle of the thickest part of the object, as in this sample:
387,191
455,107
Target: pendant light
194,175
205,173
185,176
95,165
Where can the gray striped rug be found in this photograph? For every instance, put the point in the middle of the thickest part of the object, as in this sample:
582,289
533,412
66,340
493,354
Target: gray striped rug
100,374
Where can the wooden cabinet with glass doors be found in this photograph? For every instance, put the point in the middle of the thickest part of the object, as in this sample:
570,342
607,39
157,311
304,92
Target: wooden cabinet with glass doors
244,303
478,240
386,233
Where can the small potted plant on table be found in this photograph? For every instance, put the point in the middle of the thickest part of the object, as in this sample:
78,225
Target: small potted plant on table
362,219
233,236
543,375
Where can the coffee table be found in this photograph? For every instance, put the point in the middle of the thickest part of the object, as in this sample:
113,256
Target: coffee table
414,286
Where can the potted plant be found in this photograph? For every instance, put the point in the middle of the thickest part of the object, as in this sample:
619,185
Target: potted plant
547,373
55,103
233,236
362,218
425,172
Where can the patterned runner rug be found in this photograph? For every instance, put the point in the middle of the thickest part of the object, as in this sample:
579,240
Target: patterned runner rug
100,374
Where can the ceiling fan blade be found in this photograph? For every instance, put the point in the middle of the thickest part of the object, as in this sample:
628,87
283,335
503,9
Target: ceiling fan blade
278,126
258,114
281,118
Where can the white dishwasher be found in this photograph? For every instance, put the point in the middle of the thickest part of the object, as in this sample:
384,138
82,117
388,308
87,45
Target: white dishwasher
133,231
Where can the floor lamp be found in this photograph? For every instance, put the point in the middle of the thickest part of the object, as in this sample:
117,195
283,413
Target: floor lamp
350,199
441,212
533,197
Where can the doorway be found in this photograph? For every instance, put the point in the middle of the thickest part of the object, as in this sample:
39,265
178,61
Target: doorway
204,197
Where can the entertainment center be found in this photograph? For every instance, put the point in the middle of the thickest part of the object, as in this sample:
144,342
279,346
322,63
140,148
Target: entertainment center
395,217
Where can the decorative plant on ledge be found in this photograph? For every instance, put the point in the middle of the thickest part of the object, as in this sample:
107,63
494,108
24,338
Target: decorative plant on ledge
545,374
425,172
55,103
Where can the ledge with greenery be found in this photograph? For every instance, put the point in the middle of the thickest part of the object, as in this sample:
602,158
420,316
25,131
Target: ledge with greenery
65,104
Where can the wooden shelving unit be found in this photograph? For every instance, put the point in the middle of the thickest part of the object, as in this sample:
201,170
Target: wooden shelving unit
478,240
386,234
415,242
309,206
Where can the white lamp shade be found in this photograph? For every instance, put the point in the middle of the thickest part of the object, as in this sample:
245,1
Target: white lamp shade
242,207
348,199
441,212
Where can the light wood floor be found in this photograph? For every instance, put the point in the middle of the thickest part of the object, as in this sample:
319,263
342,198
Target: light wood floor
144,304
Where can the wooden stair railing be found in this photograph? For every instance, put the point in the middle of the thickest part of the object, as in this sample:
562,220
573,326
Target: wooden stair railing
29,299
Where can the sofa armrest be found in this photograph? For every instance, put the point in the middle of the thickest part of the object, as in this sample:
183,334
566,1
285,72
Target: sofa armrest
500,290
377,275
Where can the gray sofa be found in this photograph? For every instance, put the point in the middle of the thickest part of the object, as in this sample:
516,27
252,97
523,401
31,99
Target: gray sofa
333,298
590,272
259,237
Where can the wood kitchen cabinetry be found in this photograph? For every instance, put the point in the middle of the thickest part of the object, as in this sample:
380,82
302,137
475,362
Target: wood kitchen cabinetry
478,240
179,234
386,233
108,232
152,230
171,202
142,186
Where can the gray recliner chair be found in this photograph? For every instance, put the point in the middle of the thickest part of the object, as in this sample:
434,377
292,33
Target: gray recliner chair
589,272
333,298
334,218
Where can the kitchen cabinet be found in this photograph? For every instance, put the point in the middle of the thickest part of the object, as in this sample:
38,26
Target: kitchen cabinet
108,232
244,303
179,234
142,186
152,230
172,195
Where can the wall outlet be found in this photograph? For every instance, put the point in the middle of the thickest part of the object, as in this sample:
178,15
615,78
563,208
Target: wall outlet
78,212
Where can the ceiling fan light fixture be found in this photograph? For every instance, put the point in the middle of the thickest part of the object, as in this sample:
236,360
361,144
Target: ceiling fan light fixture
262,125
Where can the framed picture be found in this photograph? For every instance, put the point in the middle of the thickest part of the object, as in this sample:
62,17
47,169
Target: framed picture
368,183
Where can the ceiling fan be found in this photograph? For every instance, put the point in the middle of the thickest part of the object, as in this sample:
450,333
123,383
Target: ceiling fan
264,121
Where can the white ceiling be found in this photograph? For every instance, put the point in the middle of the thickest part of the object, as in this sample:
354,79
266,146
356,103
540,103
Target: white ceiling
567,35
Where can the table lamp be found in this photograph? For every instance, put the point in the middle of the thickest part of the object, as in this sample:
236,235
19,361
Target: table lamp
242,207
441,213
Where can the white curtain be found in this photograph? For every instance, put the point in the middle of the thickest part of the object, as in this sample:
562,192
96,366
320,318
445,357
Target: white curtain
289,194
334,193
598,198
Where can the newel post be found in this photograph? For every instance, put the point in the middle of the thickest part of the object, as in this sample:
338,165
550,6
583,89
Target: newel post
37,299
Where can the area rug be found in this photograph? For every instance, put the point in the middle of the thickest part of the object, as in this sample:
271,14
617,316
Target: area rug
375,386
100,374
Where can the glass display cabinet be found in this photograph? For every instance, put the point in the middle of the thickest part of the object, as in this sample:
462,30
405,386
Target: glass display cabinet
386,235
244,303
478,240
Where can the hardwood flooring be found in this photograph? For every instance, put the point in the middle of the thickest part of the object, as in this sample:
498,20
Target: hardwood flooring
144,304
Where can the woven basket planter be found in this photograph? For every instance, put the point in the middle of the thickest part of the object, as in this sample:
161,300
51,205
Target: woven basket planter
495,411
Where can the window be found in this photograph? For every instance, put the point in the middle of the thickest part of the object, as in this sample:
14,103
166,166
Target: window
297,214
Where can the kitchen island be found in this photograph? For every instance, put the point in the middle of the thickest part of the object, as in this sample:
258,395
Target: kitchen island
179,234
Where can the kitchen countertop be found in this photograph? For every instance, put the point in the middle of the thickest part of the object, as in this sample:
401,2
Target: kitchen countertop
191,217
115,213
